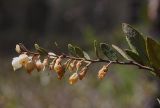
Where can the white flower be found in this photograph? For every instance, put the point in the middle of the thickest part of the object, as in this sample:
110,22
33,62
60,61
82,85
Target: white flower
23,59
16,64
20,61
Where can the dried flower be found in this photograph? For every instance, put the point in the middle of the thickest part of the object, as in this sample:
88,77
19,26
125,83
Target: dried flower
59,68
30,66
82,73
73,78
102,72
45,62
78,64
39,65
72,66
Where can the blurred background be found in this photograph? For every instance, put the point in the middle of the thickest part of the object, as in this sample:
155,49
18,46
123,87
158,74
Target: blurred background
78,22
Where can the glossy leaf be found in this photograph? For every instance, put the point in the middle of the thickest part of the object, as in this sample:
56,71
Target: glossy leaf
108,51
134,56
40,49
136,42
86,55
153,49
121,52
79,52
71,49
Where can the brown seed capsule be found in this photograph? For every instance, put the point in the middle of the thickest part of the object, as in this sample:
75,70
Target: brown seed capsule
102,72
73,78
82,73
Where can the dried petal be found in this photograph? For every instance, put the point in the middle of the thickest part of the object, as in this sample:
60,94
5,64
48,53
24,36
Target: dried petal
72,66
58,60
78,64
73,78
16,64
45,62
39,65
82,73
102,72
30,66
58,67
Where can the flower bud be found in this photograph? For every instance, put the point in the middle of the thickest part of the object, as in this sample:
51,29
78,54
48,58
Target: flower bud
102,72
18,49
30,66
73,78
82,73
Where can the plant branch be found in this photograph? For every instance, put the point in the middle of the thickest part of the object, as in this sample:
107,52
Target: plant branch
91,61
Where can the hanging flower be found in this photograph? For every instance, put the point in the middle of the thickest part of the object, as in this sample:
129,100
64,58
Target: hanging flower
39,65
30,66
16,64
102,72
20,61
82,73
73,78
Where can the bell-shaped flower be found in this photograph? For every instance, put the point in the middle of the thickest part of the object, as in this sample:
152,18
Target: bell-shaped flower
16,64
20,61
73,78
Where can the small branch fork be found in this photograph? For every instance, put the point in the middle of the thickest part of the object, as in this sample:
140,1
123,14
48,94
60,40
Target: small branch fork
91,61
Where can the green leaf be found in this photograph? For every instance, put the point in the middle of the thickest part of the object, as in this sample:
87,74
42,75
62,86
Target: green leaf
136,42
40,49
153,49
108,51
96,48
86,55
71,49
120,51
79,52
134,56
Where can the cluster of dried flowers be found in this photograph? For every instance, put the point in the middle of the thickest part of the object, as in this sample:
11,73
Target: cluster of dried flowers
60,64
